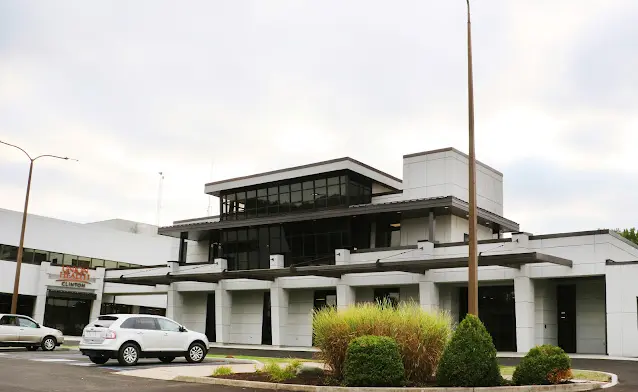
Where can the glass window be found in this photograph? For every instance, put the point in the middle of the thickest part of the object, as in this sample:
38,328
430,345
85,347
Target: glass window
27,256
307,185
9,252
97,263
40,256
231,235
273,190
27,323
56,258
284,188
252,234
320,182
342,179
333,181
261,192
273,204
110,264
168,325
8,320
241,235
333,195
295,187
84,262
308,199
147,323
68,260
284,202
295,200
242,260
309,245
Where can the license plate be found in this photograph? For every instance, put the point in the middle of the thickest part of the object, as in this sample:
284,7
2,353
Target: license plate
90,334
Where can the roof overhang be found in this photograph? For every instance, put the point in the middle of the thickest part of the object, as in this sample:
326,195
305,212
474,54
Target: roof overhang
515,260
450,203
214,188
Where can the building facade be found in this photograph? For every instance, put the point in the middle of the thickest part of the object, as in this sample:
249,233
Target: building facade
340,232
64,264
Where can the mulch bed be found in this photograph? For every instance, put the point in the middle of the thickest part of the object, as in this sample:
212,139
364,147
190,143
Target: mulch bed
303,379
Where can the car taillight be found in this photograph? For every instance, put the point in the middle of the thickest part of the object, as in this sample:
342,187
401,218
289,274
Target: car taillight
110,335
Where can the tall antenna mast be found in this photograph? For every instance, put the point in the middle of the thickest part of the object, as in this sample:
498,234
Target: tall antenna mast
159,197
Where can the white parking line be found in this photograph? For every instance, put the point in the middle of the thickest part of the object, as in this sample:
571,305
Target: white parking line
53,360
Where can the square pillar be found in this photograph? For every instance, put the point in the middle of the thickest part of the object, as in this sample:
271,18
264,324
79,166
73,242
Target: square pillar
428,293
342,256
96,307
431,227
525,321
223,303
278,314
345,296
41,298
276,261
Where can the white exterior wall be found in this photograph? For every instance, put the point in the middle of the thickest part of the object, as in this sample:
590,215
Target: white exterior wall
56,235
246,317
153,300
622,310
299,322
193,312
590,317
445,173
546,329
409,293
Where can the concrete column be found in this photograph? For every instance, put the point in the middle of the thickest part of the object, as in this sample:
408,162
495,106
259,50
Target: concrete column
345,296
41,299
278,314
223,303
431,227
428,293
96,307
342,256
525,321
174,301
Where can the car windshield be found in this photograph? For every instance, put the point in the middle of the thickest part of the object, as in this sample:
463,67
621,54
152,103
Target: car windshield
104,321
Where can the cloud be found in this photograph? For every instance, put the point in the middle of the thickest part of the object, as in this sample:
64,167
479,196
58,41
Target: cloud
210,90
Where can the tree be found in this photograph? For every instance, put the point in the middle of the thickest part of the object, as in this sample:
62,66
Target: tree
630,234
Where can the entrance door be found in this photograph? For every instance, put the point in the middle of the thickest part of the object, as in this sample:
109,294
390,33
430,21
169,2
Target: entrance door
566,307
266,327
68,315
497,312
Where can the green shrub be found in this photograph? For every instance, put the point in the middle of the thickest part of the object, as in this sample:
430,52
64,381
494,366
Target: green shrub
311,371
373,361
223,371
277,373
469,359
421,335
543,365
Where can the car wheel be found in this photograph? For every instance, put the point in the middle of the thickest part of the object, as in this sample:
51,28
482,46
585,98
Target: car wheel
99,360
196,353
167,359
49,343
128,355
32,348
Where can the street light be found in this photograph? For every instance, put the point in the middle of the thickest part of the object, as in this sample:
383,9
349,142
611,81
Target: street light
16,282
472,262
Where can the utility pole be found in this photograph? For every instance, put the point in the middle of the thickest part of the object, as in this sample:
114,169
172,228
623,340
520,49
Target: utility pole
16,281
472,262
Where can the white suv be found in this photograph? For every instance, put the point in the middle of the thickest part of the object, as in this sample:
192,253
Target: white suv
129,337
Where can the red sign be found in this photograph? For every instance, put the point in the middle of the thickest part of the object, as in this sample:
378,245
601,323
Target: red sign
74,274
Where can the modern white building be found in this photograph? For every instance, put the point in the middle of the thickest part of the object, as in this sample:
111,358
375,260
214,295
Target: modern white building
64,264
341,232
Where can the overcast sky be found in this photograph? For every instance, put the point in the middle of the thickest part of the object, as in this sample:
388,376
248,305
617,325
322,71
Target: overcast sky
216,89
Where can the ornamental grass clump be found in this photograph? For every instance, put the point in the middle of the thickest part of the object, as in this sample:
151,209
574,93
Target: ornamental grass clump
420,335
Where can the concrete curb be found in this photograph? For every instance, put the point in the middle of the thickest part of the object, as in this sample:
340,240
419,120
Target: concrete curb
612,383
312,388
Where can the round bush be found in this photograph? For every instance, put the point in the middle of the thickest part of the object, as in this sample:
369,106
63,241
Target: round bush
469,360
543,365
373,361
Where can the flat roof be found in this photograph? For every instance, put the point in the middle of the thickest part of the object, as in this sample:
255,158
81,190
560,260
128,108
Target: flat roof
514,260
451,149
346,163
452,204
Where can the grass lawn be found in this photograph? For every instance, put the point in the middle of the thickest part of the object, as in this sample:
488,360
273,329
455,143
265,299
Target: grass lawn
578,374
260,359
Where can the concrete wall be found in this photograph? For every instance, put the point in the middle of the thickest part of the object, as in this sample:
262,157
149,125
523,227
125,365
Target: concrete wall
622,310
299,323
445,173
546,328
409,293
56,235
193,313
590,317
449,300
246,317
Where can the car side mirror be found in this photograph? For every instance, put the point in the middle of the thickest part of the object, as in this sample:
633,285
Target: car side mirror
182,329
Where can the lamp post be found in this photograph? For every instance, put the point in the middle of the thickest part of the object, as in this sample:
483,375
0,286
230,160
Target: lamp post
472,262
16,282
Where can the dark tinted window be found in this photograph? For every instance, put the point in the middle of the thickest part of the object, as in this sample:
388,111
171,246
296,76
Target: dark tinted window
104,321
8,320
147,323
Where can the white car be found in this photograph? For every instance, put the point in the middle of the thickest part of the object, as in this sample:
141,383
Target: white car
129,337
22,331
